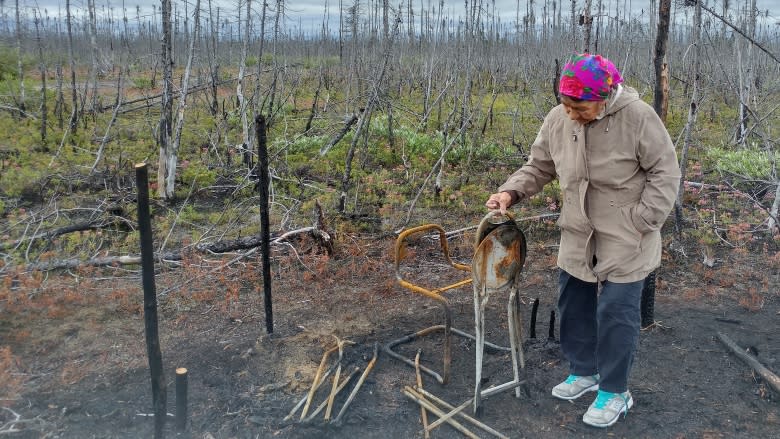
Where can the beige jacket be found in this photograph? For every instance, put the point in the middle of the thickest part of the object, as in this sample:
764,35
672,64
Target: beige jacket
619,178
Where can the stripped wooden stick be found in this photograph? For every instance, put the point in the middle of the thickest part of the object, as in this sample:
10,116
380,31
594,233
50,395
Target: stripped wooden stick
420,399
423,413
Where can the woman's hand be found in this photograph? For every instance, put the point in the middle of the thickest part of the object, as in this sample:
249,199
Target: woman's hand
500,201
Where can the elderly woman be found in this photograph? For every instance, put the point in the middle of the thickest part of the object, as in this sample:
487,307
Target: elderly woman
619,176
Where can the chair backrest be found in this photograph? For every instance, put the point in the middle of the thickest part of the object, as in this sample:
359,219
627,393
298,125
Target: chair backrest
500,251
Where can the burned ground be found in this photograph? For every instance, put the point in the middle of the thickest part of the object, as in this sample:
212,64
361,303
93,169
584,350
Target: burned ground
78,368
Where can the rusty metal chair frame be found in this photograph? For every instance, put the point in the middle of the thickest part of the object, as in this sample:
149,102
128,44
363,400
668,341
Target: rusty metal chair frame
437,295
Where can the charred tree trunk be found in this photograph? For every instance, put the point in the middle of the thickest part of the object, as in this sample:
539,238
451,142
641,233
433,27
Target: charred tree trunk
159,396
661,92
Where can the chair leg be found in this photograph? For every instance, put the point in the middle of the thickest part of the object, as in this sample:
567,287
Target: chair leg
447,343
480,301
515,337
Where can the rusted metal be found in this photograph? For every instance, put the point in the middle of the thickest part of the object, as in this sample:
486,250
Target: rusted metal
497,263
388,348
435,294
500,253
355,390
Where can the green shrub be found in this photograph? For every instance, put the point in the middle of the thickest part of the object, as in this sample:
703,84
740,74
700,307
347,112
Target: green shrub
142,83
198,174
751,163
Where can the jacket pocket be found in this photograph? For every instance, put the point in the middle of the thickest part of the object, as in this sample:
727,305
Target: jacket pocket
627,225
571,215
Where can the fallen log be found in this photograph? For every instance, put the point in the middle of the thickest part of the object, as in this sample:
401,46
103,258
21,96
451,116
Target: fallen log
80,227
320,237
340,135
765,374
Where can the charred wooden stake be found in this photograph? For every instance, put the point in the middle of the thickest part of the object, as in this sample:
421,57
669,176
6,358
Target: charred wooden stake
181,399
265,246
357,386
150,301
647,307
534,311
551,331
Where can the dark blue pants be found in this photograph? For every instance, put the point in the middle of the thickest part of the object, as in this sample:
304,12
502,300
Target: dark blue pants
599,332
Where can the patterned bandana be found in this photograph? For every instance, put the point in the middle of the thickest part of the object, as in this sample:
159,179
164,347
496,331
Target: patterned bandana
589,77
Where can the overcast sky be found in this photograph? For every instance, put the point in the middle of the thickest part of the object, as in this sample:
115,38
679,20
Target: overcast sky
310,12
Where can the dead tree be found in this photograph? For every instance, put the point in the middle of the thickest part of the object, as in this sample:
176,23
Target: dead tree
385,19
20,68
260,53
213,63
661,92
59,101
692,112
166,170
586,20
746,74
373,101
73,123
185,85
93,71
275,78
42,71
246,140
117,106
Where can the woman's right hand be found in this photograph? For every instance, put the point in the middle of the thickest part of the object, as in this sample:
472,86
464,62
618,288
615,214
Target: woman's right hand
500,201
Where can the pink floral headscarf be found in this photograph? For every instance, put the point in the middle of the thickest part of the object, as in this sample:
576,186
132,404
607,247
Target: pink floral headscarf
589,77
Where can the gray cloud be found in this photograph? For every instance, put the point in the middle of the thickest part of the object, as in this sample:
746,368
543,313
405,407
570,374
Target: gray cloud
311,12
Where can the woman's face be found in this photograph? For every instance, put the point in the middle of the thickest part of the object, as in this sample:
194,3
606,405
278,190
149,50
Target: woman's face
582,112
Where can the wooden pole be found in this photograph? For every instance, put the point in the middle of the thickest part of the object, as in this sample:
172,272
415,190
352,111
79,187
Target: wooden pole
181,399
265,235
150,301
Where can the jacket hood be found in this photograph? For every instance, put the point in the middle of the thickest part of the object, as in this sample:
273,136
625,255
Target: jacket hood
624,96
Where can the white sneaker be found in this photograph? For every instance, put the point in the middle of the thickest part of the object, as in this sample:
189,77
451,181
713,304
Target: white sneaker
607,407
575,386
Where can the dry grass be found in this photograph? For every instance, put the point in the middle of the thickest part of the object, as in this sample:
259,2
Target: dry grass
11,377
